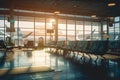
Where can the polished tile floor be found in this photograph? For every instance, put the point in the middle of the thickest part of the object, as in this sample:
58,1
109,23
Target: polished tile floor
64,69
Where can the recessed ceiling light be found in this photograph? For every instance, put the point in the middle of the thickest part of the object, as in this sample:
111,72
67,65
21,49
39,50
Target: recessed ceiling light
93,16
111,4
57,12
75,6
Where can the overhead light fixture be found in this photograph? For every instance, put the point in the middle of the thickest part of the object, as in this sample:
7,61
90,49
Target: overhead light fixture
111,4
57,12
75,6
93,16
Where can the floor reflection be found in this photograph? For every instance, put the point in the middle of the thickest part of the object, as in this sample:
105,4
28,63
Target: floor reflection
64,69
7,59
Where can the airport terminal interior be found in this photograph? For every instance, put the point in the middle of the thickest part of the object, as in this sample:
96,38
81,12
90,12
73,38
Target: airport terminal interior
59,39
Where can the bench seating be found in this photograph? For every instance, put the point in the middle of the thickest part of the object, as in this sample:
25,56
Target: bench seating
97,48
30,44
3,46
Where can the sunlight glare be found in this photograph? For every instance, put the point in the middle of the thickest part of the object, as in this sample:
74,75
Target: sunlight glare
52,20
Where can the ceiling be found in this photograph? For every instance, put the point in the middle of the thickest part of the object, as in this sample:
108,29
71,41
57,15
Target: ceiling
99,8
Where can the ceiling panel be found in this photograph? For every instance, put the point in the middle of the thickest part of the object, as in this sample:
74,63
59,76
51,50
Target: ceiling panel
75,7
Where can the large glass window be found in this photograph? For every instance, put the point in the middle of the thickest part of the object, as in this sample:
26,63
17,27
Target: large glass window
71,30
62,29
117,28
87,30
117,19
104,32
25,29
2,27
39,29
32,28
79,30
50,26
114,30
96,31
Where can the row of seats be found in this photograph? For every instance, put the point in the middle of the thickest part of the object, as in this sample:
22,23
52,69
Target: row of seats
4,46
114,46
92,47
75,48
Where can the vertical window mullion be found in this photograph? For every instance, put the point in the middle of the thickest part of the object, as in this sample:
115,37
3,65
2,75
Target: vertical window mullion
75,30
4,27
66,30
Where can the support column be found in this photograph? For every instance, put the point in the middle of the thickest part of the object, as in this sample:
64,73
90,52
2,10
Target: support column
45,30
66,31
34,33
11,42
75,29
56,29
107,31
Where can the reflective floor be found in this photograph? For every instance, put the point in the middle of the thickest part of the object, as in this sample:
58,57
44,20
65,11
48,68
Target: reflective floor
64,69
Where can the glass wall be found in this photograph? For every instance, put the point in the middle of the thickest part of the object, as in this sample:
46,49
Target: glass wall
39,29
62,29
96,31
71,30
79,30
32,28
25,30
87,30
114,30
50,29
2,30
117,28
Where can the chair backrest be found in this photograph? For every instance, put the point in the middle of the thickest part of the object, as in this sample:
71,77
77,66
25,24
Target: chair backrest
59,44
30,44
93,47
2,44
